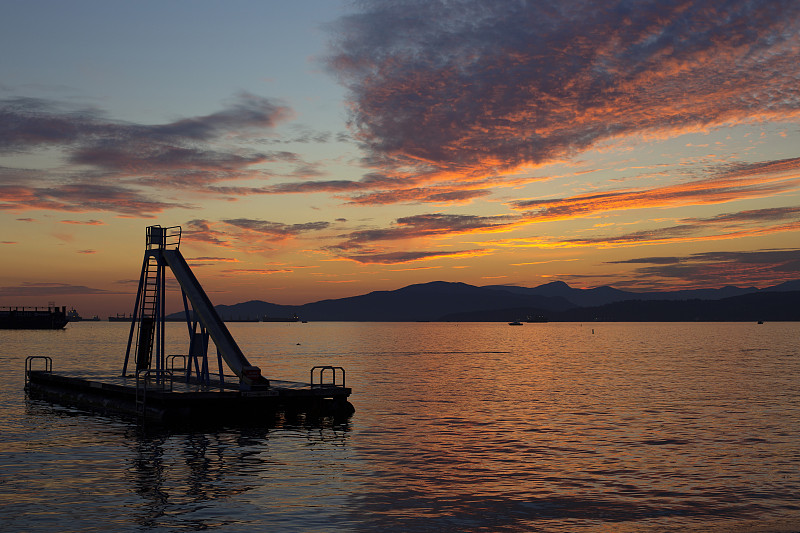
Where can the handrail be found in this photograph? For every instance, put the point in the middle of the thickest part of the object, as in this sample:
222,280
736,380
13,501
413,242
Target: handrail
143,376
48,366
321,372
171,362
162,238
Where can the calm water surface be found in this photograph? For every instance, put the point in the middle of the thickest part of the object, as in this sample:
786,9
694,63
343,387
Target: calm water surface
458,427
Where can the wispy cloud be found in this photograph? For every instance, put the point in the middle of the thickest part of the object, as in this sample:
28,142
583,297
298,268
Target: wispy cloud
124,160
724,226
728,183
28,122
258,271
247,234
50,289
199,230
447,195
84,222
214,259
711,269
393,258
83,197
429,225
275,231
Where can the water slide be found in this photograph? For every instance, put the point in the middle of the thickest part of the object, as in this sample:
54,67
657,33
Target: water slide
210,319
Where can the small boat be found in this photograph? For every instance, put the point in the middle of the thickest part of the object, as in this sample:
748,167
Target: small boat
120,317
515,323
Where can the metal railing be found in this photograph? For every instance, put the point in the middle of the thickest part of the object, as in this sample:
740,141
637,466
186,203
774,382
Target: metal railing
318,374
171,362
163,238
48,366
29,308
162,379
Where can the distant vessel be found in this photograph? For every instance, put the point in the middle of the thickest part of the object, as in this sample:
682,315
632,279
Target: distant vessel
515,323
74,316
536,319
120,317
50,317
293,318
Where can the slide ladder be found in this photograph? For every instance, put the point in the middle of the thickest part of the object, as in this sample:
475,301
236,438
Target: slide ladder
147,313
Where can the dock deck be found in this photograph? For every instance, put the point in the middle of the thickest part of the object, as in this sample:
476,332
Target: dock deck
176,400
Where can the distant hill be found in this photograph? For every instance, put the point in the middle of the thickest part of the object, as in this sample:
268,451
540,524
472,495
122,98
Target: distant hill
440,300
426,301
768,306
606,295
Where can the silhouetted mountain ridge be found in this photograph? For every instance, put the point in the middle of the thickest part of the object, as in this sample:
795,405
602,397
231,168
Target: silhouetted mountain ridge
605,295
441,300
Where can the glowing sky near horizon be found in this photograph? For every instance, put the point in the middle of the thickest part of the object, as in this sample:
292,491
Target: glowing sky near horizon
317,149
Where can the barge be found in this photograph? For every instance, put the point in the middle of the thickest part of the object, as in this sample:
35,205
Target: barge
50,317
183,387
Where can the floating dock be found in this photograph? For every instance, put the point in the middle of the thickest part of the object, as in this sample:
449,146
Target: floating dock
177,401
183,387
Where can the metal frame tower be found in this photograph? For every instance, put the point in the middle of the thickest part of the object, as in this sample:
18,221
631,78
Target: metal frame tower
149,317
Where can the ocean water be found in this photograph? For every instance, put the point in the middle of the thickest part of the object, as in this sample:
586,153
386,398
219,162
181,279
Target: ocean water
458,427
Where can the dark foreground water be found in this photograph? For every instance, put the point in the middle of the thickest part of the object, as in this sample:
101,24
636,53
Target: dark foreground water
458,427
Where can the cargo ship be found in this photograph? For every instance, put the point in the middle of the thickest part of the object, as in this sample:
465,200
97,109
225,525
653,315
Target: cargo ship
120,317
50,317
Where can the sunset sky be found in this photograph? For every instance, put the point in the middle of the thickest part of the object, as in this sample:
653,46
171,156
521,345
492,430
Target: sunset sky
316,149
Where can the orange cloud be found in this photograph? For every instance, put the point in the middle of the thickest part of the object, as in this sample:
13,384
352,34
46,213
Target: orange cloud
258,271
84,222
393,258
431,225
737,182
497,86
751,223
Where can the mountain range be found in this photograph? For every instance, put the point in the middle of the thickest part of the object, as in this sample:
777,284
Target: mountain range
556,301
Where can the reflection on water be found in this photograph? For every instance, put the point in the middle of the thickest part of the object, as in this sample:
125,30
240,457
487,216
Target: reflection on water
112,474
180,477
549,427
